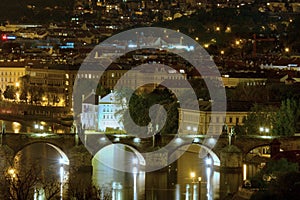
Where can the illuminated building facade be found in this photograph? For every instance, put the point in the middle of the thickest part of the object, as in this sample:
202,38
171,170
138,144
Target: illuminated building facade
107,117
10,72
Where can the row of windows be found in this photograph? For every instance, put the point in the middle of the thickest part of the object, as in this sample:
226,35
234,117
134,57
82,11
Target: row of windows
89,76
108,110
229,120
12,73
89,116
10,80
108,117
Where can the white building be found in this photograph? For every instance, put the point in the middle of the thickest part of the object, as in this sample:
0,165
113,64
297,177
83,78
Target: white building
89,115
107,117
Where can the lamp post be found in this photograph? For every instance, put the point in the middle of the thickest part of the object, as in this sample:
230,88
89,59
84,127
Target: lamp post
199,187
193,175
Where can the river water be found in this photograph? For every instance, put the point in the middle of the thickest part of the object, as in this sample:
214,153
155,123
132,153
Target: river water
178,181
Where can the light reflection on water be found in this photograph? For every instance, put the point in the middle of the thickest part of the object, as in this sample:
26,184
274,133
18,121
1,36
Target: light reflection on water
173,182
16,126
46,163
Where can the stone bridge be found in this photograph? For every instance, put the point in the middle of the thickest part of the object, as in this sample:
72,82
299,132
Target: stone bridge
78,151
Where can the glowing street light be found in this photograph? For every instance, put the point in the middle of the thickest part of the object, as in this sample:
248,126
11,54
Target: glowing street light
261,129
228,29
264,130
193,175
12,173
208,161
267,130
36,126
287,50
222,52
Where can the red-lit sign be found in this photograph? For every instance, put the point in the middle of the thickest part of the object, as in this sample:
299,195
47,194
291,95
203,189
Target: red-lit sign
4,37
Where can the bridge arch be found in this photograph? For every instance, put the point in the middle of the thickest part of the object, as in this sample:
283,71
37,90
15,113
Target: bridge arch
202,154
63,156
122,157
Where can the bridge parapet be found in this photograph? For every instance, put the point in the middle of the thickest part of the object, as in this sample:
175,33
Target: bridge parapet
18,141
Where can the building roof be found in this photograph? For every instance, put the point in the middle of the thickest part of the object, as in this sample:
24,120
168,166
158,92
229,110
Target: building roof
91,98
110,98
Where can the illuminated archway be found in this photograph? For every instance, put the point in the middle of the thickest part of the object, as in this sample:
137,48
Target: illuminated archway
120,157
204,151
63,157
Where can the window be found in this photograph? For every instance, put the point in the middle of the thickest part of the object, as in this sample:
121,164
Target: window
230,119
237,120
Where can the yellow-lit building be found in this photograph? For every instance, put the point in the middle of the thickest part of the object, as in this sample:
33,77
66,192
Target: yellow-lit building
10,72
204,121
56,81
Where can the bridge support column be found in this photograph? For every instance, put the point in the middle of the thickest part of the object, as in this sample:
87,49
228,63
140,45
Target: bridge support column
80,178
231,159
275,147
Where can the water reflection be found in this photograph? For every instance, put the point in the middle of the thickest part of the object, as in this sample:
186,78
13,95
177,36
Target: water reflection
124,185
32,127
41,165
16,126
186,179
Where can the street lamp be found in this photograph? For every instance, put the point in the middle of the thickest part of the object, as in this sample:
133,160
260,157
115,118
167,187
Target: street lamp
192,174
264,130
12,172
287,50
261,129
208,161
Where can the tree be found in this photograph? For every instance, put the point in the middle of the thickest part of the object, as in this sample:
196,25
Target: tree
24,95
24,87
260,116
137,107
24,184
36,94
286,118
10,92
279,179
